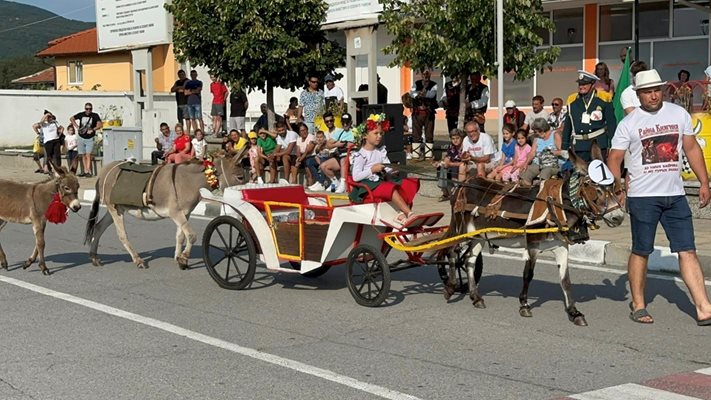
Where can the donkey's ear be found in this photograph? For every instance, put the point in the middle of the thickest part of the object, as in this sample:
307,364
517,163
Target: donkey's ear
595,152
578,162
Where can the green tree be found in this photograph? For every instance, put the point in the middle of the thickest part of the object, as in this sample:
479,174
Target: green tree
458,37
255,42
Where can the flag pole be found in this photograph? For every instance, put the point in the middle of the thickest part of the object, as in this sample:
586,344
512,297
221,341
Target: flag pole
500,69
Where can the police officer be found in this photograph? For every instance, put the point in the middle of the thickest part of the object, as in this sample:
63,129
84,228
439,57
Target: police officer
591,118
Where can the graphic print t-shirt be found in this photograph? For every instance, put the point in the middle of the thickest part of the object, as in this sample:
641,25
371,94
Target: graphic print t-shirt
653,142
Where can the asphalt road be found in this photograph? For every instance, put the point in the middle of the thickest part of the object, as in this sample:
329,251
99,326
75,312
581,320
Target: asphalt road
117,332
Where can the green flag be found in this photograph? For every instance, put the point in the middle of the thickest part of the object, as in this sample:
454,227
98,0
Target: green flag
622,84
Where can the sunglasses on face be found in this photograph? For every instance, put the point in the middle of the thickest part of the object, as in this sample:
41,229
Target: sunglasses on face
327,120
313,81
87,109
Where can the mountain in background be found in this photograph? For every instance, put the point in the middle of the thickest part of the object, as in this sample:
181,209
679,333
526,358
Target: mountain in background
17,38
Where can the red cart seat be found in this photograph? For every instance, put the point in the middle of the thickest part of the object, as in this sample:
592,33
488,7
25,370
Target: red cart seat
285,194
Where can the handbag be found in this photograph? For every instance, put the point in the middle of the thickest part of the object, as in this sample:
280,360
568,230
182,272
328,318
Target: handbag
37,147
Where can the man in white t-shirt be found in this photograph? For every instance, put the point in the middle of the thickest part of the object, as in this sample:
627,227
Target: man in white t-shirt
478,150
285,151
628,98
332,93
650,141
537,111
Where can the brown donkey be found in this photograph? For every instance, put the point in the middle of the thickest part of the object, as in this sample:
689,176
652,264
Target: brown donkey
176,192
26,203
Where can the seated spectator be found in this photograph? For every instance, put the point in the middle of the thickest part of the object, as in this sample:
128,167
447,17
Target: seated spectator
304,150
164,142
234,142
507,149
520,158
267,145
452,167
478,151
321,154
513,115
285,152
199,145
537,111
182,148
338,144
543,159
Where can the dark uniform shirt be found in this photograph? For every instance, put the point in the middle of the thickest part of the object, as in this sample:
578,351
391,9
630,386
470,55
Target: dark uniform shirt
600,114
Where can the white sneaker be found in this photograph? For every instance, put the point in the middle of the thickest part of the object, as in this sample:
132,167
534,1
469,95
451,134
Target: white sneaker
341,187
316,187
260,181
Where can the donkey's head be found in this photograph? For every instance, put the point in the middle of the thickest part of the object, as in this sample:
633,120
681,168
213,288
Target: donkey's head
597,188
229,169
67,186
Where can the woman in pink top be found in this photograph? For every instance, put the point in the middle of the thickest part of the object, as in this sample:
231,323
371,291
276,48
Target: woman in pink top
304,149
510,172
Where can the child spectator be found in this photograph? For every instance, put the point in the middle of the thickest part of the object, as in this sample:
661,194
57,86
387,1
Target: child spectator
70,144
452,166
199,145
38,153
304,150
369,170
507,149
267,144
254,152
321,154
520,160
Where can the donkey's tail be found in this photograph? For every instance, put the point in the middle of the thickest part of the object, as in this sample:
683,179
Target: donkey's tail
91,222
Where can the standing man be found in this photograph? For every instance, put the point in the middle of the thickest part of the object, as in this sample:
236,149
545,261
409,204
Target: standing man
310,102
193,90
478,98
86,124
628,98
238,107
590,119
180,98
656,191
219,98
424,99
450,103
332,94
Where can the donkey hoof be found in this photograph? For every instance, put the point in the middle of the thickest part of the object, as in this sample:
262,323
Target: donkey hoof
142,264
95,261
580,321
27,264
182,266
525,312
479,303
45,270
448,292
4,265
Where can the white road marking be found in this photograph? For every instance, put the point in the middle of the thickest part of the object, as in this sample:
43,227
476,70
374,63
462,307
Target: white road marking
631,391
705,371
235,348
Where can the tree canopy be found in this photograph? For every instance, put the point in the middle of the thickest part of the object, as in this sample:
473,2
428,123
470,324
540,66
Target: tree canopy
458,36
255,42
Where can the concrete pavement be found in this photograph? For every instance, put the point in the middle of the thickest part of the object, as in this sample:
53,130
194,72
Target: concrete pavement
609,246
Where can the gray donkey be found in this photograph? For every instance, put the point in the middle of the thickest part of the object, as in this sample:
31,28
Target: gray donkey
27,203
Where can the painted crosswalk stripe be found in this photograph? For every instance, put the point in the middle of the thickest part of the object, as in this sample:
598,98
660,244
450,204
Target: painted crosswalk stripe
630,391
705,371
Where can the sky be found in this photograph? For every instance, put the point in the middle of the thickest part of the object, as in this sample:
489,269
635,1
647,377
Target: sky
82,10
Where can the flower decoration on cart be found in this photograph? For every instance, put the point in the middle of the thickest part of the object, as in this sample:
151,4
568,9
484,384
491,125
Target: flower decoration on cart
210,174
370,124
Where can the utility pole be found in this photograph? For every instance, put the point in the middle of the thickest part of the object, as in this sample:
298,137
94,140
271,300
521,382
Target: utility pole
500,69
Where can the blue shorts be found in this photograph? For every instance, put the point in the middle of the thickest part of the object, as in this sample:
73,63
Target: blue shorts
85,146
194,111
674,214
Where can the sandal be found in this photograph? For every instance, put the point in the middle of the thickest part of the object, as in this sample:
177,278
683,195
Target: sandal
637,316
703,322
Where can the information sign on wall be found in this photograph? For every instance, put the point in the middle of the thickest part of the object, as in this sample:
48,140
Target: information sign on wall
130,24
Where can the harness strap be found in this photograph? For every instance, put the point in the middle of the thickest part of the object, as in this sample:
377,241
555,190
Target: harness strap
151,181
591,135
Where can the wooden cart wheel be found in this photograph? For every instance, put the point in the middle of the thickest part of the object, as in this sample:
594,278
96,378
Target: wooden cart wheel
314,273
229,253
461,268
368,276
